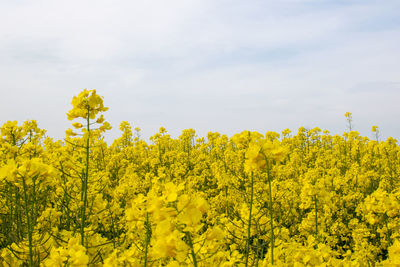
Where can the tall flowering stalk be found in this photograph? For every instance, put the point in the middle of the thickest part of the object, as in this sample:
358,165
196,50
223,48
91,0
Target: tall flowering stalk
87,105
261,155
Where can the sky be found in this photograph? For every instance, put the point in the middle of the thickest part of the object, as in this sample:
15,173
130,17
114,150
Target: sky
210,65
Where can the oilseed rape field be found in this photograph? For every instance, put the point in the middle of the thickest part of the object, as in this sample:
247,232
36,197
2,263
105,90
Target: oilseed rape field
305,198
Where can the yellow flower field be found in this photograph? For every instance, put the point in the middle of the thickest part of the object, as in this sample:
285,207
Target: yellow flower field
306,198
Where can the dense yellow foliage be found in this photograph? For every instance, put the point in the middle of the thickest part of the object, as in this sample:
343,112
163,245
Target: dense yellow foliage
302,199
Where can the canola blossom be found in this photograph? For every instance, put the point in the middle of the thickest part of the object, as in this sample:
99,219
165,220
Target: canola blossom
291,199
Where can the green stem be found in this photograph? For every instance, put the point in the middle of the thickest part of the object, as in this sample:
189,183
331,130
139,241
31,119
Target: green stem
388,232
189,237
316,217
28,219
18,215
271,215
10,204
85,183
147,241
249,221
